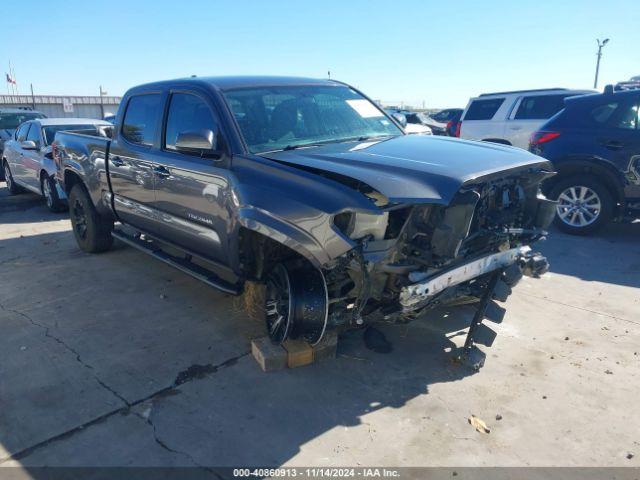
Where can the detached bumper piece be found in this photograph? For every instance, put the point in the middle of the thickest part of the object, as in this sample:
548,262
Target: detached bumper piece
505,269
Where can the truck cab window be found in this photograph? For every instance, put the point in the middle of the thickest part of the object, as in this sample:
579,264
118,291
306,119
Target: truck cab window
187,113
141,117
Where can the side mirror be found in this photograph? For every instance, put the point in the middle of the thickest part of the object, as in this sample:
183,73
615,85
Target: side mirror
400,118
28,145
202,141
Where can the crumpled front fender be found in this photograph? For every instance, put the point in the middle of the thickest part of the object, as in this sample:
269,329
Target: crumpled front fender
318,252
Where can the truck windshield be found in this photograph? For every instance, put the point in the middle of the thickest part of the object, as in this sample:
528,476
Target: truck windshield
277,118
10,121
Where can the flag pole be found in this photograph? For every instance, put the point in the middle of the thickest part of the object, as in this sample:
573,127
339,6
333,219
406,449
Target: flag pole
13,79
15,82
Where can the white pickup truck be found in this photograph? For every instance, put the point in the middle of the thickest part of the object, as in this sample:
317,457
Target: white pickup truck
510,118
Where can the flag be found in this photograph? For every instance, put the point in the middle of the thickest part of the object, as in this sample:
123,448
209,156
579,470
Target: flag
10,79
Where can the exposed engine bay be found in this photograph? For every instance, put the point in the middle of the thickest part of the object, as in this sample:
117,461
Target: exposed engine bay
410,258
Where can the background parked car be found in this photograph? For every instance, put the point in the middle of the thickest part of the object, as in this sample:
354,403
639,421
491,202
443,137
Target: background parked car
511,117
27,160
453,126
10,118
594,144
422,119
440,120
412,128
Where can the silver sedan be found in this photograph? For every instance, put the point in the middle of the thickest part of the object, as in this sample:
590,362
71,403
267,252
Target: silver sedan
28,161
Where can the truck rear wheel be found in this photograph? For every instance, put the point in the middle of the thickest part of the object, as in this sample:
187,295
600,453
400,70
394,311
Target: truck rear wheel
92,230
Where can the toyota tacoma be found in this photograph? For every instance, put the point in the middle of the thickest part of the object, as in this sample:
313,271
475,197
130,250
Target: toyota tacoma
309,189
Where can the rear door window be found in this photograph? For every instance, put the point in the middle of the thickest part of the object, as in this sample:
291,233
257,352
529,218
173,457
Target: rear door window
141,118
627,117
602,113
483,109
622,115
539,107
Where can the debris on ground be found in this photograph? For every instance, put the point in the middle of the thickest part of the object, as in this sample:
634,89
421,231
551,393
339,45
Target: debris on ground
566,338
163,296
498,417
629,456
608,372
544,397
478,424
252,301
23,348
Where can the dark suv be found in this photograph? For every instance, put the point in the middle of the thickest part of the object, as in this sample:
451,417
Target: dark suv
594,144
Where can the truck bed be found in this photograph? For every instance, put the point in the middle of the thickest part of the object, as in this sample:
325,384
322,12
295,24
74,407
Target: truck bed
83,156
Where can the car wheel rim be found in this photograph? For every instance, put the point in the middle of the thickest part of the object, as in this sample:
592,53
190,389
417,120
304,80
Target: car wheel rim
79,219
579,206
46,188
278,306
7,176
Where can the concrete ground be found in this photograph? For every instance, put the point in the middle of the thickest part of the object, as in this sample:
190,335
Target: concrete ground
119,360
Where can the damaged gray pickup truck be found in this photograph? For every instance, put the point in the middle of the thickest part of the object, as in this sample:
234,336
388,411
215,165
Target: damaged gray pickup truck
308,187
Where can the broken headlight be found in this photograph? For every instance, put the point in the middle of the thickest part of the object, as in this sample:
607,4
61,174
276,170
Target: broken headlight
357,225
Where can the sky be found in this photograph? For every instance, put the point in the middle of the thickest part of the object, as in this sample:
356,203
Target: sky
436,54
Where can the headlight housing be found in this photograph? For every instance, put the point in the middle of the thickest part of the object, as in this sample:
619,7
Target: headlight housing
356,225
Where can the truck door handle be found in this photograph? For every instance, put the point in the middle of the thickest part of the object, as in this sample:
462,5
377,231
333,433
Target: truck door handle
117,161
515,128
161,172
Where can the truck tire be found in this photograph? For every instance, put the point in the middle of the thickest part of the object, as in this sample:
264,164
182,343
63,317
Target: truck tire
92,230
584,204
50,194
12,187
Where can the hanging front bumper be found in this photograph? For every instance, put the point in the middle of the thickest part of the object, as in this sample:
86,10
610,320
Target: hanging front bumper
415,295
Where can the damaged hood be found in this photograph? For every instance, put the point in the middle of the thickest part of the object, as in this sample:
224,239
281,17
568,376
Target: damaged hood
412,168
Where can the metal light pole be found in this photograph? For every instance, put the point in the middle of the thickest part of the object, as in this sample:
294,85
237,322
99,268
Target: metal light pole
600,45
102,94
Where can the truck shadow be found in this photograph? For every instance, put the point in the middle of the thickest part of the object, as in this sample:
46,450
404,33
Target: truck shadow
143,327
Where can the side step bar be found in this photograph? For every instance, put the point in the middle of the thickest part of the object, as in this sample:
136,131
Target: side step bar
182,264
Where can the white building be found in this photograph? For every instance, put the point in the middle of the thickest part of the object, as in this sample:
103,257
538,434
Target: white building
54,106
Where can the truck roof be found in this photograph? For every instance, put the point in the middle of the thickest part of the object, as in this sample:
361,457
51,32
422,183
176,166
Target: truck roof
70,121
524,91
246,81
